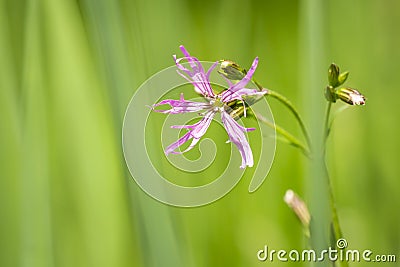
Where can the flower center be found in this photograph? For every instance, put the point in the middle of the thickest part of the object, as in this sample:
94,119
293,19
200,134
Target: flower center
217,104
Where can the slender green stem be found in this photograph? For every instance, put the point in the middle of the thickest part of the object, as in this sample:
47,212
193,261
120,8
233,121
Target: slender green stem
327,117
291,107
339,110
337,231
289,137
335,218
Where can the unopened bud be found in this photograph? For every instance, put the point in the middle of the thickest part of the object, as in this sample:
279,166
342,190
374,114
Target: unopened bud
231,70
298,206
343,77
333,75
351,96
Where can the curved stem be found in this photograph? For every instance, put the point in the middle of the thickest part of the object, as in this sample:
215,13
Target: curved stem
291,107
289,137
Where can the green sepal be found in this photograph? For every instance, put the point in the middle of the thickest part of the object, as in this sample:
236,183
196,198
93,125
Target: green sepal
330,94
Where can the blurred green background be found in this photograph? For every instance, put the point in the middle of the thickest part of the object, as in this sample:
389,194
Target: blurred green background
68,70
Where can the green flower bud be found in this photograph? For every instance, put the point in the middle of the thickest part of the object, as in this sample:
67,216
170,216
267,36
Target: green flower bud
330,94
350,96
231,70
343,77
333,75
